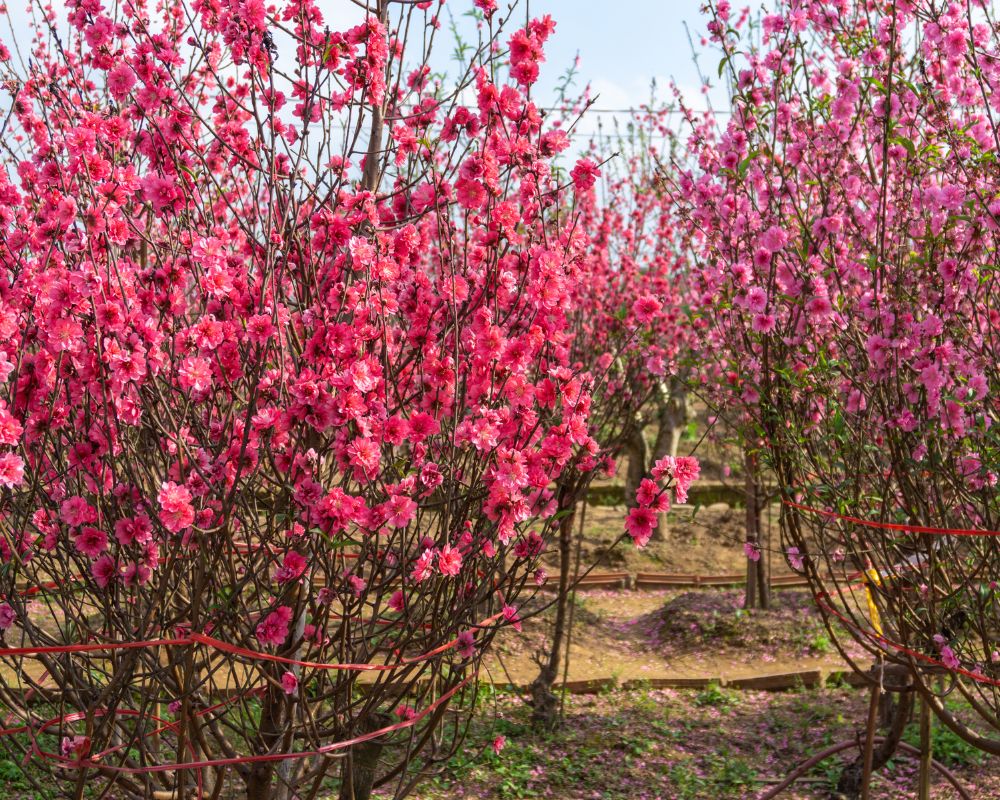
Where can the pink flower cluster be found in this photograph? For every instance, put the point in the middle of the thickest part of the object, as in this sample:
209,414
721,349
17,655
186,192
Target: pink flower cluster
653,497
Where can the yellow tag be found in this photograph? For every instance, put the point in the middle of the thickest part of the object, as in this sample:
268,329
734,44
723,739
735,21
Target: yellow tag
872,577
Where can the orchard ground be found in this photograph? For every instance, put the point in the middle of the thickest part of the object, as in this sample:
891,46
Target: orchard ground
688,745
678,744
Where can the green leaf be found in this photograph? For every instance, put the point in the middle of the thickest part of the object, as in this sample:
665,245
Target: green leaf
907,144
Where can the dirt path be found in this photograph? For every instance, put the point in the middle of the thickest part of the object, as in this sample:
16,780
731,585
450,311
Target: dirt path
632,635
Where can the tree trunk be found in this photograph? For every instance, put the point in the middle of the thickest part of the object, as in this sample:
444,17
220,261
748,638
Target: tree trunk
672,417
361,764
545,705
260,783
898,710
635,471
926,751
758,593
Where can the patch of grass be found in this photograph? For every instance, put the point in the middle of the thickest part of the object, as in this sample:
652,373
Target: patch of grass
717,776
688,783
830,771
946,746
808,706
32,777
513,771
643,701
731,775
715,696
11,775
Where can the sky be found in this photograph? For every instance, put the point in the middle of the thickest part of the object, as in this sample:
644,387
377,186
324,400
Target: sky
624,45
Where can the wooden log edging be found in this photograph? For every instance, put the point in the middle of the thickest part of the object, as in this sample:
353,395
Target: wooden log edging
701,493
666,580
765,682
670,580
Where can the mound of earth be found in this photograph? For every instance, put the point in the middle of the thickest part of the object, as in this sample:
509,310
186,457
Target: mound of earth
702,618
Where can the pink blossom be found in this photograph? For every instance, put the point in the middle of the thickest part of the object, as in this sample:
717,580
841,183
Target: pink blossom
274,628
364,456
11,470
401,511
449,561
948,657
645,308
76,511
585,175
470,194
7,616
430,476
160,191
289,683
466,644
176,510
75,748
137,531
424,566
640,524
422,425
774,239
763,323
955,43
756,300
121,79
196,374
292,568
511,616
104,570
10,428
260,329
664,468
687,470
488,7
647,493
136,574
91,542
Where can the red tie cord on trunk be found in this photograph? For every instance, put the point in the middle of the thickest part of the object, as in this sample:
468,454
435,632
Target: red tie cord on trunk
892,526
240,549
71,764
200,638
222,762
240,651
91,648
882,641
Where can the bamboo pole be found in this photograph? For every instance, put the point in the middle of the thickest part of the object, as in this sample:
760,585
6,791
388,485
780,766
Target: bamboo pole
926,751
